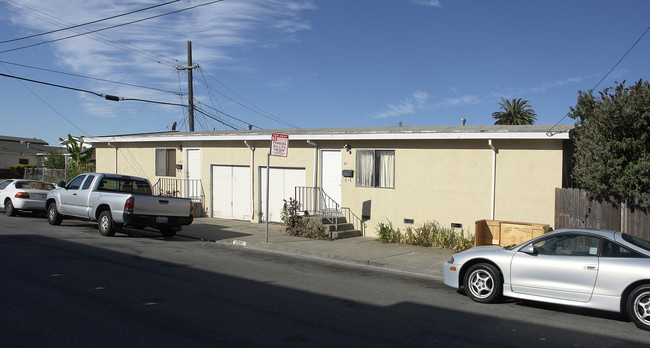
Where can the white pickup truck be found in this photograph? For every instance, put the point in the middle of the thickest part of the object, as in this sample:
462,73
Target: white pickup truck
115,201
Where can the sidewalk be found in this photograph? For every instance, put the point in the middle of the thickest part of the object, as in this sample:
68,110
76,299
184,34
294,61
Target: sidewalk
364,251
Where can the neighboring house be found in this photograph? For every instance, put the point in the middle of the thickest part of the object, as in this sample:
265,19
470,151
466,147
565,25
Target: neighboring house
407,175
15,151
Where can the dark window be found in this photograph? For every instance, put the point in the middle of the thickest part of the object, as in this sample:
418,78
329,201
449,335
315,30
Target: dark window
165,162
125,185
611,249
638,241
5,184
75,184
89,180
23,161
375,168
568,244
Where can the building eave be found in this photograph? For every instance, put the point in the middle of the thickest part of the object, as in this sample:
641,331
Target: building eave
558,132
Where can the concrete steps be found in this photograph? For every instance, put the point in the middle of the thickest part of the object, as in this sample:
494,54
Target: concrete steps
339,228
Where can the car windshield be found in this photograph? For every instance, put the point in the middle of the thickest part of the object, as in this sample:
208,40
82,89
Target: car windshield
638,241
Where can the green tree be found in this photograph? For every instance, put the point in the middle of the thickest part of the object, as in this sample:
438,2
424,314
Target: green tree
54,160
514,112
79,157
612,144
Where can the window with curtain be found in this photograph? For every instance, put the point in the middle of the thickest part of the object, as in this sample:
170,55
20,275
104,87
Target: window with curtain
165,162
375,168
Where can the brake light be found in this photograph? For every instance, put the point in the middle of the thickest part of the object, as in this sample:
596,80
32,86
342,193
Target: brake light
22,195
128,206
191,208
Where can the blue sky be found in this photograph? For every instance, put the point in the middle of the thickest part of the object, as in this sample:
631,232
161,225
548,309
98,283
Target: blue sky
310,64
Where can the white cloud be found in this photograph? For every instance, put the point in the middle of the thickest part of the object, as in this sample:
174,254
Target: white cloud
406,107
430,3
147,52
464,100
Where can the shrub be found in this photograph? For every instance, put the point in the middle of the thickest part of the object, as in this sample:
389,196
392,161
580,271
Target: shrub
299,225
430,234
18,170
388,234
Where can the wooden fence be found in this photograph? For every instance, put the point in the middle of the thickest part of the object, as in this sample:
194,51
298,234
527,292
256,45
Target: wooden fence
574,208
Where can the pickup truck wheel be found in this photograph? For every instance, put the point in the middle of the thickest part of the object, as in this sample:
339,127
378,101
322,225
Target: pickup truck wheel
9,208
105,224
53,216
167,232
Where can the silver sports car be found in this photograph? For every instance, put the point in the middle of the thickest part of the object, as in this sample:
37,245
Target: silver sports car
595,269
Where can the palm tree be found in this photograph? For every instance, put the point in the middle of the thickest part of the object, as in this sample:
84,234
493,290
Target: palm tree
515,112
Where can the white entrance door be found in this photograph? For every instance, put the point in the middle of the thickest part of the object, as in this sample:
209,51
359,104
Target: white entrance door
231,193
331,174
194,174
281,186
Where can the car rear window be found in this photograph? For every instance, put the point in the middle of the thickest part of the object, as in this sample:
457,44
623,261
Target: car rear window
125,185
638,241
34,185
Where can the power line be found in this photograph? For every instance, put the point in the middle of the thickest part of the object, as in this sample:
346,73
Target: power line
98,37
228,115
88,23
215,118
48,105
90,77
110,27
620,60
105,96
262,112
550,131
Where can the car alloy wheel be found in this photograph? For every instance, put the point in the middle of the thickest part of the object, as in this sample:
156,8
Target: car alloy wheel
638,307
9,208
105,224
483,283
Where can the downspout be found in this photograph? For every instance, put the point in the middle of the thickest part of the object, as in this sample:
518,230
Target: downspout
315,185
494,177
115,147
252,196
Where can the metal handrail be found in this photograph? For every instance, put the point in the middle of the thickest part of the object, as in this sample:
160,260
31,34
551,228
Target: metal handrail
314,201
186,188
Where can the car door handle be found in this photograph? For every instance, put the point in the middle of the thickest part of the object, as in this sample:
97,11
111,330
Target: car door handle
591,268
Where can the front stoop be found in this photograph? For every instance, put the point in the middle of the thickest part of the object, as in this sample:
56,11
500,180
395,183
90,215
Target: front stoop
341,229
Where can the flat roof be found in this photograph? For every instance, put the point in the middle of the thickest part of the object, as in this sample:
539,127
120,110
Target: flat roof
360,133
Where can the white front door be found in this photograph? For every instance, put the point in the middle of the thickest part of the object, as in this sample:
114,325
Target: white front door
194,174
331,174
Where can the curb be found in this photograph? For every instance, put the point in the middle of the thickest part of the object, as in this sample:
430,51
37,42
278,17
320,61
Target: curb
334,258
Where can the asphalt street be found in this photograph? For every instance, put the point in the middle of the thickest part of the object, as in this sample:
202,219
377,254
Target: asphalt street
68,286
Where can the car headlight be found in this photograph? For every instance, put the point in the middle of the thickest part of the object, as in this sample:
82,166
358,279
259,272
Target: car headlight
451,260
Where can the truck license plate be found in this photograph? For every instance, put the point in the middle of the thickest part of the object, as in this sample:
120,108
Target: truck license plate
161,219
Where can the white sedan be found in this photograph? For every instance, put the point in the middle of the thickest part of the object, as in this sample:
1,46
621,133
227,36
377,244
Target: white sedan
18,194
595,269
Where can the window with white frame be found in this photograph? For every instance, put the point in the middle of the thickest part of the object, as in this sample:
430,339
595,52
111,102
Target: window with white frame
165,162
375,168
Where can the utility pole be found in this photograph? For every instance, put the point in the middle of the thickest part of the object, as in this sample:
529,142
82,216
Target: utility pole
190,87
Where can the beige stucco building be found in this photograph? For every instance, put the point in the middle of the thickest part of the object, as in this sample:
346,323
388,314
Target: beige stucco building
406,175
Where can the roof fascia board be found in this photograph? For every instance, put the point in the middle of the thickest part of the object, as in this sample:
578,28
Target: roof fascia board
346,137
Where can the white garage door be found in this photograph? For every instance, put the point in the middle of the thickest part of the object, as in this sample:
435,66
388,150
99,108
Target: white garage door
231,192
282,186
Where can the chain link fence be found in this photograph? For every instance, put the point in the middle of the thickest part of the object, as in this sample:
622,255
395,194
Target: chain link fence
45,174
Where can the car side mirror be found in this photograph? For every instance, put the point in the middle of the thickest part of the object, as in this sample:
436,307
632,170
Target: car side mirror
529,249
61,184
